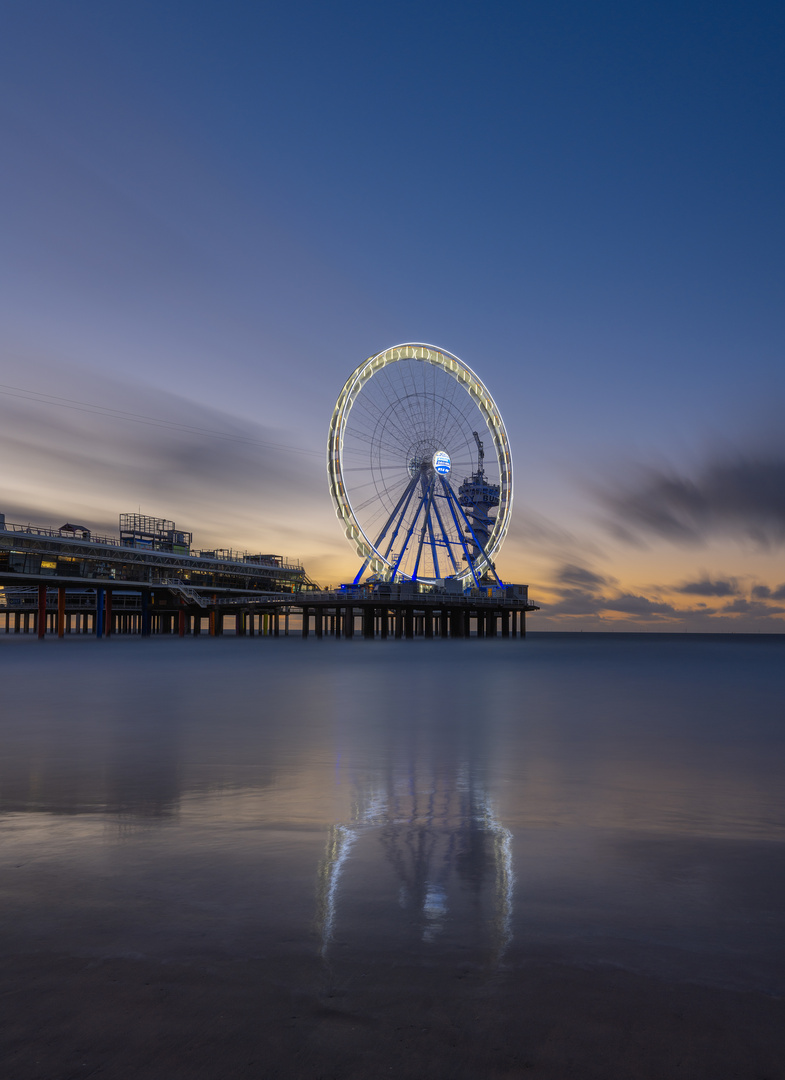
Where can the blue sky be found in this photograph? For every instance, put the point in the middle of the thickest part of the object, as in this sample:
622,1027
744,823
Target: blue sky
213,212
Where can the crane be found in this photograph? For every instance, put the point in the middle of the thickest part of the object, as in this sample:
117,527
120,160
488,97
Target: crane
480,452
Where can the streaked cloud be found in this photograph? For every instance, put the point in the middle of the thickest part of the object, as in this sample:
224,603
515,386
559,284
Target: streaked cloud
741,495
706,587
228,480
582,598
581,576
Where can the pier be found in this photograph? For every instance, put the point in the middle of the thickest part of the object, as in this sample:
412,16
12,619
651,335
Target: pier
148,582
105,612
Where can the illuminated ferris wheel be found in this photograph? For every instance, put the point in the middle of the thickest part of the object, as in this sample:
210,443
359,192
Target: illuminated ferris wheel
420,467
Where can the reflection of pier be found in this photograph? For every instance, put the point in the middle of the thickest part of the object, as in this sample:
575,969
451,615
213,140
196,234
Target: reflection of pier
442,841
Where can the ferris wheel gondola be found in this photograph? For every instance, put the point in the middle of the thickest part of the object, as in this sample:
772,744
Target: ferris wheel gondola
409,421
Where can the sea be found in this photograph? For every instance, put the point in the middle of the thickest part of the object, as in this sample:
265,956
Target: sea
354,819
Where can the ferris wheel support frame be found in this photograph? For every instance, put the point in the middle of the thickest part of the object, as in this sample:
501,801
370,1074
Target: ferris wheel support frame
477,390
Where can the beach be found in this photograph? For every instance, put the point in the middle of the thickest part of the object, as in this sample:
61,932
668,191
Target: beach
554,857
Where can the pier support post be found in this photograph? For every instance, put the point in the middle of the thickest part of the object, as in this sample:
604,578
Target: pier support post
42,611
99,613
409,621
276,623
428,619
60,612
384,619
306,622
181,623
145,613
108,603
369,615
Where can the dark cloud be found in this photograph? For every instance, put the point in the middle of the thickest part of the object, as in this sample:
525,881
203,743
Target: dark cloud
574,602
740,606
763,592
570,574
582,602
639,605
707,587
740,496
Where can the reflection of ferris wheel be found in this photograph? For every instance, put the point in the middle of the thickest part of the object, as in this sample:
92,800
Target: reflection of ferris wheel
409,423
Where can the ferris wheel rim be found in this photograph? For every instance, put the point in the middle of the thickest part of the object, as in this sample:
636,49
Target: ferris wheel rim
477,390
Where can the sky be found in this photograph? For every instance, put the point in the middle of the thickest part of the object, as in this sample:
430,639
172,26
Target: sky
211,213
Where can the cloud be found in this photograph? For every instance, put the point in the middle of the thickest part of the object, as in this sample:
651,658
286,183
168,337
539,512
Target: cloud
706,587
574,602
741,606
230,481
763,592
639,605
570,574
741,495
582,602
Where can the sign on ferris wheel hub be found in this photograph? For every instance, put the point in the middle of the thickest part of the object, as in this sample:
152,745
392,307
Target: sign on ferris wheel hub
441,462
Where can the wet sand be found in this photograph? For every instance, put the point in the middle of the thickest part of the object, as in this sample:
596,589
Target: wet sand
228,859
69,1018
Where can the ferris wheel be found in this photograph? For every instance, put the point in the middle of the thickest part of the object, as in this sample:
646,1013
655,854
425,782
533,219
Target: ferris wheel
420,467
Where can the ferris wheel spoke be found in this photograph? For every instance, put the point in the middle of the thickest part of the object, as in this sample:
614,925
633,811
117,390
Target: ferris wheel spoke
371,442
450,401
387,417
395,404
390,490
391,438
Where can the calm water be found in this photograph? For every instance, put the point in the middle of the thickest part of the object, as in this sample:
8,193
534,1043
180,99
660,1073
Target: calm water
592,799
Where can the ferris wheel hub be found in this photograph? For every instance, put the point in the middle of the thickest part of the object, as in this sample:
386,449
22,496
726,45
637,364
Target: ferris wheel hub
442,463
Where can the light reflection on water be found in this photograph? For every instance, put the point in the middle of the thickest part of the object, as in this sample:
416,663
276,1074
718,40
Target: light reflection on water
598,801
